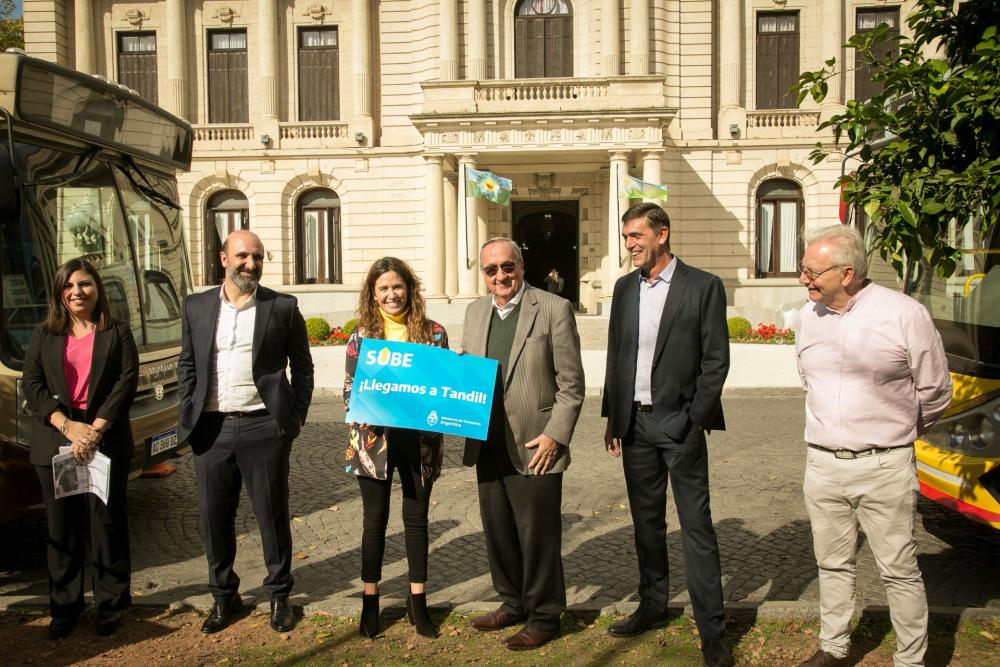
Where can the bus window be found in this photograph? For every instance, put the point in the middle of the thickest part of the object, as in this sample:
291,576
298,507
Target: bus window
88,223
155,228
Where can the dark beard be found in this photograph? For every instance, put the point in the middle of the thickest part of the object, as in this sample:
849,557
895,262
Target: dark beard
244,282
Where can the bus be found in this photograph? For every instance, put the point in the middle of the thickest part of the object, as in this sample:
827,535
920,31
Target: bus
958,460
88,169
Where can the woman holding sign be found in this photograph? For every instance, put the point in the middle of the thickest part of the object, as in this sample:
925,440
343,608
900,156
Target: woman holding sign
391,308
81,371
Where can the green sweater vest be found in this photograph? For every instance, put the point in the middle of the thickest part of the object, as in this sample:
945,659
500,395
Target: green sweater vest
501,338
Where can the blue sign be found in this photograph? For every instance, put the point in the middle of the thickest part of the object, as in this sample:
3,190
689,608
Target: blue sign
422,387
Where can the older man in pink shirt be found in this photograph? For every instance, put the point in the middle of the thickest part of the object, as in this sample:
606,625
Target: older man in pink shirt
876,377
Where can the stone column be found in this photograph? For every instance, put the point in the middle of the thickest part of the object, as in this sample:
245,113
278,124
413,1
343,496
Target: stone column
616,207
731,112
83,16
610,27
361,49
639,51
450,235
468,233
448,41
434,226
267,67
651,167
476,56
833,38
176,59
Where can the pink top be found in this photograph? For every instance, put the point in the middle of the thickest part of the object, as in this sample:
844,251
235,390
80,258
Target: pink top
77,356
875,373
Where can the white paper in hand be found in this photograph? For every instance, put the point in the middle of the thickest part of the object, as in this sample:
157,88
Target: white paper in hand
71,478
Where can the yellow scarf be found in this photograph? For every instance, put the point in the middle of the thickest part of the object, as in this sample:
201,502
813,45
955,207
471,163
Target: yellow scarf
395,326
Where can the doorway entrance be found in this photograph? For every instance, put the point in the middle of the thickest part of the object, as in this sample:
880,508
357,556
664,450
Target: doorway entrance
548,234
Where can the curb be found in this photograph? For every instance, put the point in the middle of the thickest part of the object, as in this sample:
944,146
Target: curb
351,606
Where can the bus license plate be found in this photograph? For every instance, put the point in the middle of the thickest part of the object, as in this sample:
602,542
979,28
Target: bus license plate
163,442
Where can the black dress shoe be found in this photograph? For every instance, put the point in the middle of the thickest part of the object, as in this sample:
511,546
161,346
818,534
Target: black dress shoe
636,624
108,622
716,653
282,616
222,614
61,628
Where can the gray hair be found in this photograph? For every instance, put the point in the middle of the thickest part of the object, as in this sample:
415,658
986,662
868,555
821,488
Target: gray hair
514,248
847,248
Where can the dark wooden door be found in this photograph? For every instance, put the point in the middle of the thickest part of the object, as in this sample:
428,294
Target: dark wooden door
887,50
777,59
319,78
543,46
137,63
227,77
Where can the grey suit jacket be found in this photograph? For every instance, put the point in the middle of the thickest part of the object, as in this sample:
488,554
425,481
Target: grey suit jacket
544,385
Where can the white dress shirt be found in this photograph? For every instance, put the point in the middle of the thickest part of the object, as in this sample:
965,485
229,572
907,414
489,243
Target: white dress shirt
506,309
652,297
231,387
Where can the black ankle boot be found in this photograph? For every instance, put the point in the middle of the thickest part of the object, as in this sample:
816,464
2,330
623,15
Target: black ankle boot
417,615
369,626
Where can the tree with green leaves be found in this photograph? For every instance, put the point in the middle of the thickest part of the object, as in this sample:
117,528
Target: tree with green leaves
11,30
927,148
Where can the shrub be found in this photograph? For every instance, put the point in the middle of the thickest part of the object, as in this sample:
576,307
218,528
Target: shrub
349,327
764,333
318,328
738,326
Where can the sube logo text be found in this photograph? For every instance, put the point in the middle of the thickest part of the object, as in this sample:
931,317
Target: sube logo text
385,357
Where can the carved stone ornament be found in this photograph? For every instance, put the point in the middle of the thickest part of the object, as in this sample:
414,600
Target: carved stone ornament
134,17
780,3
317,12
226,14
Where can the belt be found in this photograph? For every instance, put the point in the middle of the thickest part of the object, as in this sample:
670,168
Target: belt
236,414
860,453
643,408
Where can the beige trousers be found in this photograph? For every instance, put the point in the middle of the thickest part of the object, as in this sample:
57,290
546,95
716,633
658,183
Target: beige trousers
877,493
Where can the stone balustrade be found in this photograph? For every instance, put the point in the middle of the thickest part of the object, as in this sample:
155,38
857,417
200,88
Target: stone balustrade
222,133
776,123
315,134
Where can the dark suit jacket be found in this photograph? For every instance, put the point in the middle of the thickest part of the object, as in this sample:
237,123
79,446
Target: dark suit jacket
114,377
691,359
544,385
279,340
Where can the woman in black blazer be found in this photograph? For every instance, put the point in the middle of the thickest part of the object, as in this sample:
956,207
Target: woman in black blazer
80,376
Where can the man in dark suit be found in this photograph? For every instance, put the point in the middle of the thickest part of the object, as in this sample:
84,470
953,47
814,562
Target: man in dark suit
240,414
668,356
537,400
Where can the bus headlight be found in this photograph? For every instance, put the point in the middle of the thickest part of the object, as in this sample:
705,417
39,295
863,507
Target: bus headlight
972,432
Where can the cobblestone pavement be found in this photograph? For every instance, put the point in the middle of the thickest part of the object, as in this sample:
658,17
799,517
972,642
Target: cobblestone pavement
756,474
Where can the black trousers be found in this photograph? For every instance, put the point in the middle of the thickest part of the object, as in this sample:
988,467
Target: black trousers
404,456
522,524
650,457
109,559
250,450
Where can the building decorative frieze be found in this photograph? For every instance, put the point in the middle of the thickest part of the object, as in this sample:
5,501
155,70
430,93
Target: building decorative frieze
317,12
134,17
226,14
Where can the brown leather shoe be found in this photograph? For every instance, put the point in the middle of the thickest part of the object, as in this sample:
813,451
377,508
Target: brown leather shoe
528,638
495,620
823,659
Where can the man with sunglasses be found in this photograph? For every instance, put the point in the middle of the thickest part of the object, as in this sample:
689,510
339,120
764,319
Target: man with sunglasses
537,400
876,377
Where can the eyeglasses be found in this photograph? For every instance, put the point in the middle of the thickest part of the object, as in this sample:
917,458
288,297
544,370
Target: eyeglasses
813,275
506,267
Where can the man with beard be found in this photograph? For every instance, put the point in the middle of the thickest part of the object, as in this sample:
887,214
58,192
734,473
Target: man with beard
240,414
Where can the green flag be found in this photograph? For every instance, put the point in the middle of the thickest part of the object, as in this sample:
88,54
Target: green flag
488,185
633,188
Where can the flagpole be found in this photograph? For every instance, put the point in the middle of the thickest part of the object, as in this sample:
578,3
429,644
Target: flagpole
465,211
618,210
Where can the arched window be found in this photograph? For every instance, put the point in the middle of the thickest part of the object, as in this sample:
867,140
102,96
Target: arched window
779,228
226,212
543,39
317,243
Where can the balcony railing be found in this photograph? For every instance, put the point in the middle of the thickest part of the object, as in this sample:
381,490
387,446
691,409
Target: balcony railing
776,123
570,95
315,134
223,133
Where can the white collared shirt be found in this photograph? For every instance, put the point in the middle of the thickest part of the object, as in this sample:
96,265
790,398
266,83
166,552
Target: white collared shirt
231,387
506,309
652,297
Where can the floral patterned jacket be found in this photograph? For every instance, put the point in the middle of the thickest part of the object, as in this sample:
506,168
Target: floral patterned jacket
367,452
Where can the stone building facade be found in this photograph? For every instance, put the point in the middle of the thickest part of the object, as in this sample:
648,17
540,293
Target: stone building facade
338,130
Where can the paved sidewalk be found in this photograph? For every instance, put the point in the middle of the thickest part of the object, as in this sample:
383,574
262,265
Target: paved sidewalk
756,473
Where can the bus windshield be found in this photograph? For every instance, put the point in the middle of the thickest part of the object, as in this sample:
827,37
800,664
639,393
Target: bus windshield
966,305
107,210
